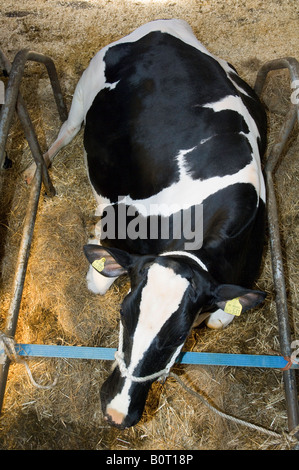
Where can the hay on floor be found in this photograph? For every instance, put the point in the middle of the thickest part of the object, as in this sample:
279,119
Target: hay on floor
57,308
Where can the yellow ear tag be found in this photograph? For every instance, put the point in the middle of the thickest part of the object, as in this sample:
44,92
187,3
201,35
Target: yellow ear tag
99,264
233,307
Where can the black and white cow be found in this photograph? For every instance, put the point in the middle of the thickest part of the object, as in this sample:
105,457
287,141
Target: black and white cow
169,128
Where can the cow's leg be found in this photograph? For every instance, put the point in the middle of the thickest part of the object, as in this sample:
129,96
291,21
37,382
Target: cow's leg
219,319
67,132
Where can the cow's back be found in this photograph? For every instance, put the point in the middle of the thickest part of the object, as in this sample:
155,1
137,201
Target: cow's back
159,106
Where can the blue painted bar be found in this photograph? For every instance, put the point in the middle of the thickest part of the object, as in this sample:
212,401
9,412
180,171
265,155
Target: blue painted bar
67,352
200,358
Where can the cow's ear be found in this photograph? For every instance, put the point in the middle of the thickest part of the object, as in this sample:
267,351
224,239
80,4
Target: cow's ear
111,262
235,299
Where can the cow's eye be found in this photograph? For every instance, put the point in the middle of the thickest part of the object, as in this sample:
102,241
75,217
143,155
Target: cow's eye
145,268
179,340
172,343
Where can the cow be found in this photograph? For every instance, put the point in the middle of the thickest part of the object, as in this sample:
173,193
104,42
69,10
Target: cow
169,129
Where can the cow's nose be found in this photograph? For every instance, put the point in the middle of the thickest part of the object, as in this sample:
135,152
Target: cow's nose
114,417
122,406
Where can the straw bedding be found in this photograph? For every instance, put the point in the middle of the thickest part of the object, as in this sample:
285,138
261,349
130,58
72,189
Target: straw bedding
57,307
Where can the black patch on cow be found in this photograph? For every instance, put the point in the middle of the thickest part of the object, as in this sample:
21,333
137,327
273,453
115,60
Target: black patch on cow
219,156
135,131
234,231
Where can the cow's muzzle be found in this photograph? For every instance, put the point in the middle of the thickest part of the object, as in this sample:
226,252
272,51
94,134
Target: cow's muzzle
123,395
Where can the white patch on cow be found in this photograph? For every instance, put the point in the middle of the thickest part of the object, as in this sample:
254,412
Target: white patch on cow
160,298
188,255
203,141
111,86
122,400
193,192
181,162
229,102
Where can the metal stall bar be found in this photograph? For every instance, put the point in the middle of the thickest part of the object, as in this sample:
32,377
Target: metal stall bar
14,100
289,376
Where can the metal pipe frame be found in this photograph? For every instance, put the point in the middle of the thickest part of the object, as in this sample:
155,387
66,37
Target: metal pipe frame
14,101
289,376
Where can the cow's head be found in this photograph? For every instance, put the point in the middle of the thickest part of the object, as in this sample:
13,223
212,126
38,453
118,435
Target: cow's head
166,294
